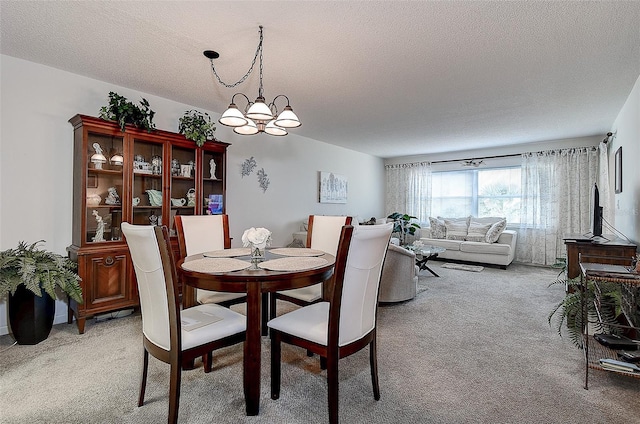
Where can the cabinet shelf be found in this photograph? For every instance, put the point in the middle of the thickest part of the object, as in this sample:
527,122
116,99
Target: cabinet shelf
597,351
115,172
593,350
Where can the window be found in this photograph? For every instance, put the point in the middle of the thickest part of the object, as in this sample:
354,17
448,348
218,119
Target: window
477,192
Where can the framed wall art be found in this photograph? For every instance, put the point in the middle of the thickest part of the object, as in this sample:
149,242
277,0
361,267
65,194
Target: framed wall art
333,188
618,170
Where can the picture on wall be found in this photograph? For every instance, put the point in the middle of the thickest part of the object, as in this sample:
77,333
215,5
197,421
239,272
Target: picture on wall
333,188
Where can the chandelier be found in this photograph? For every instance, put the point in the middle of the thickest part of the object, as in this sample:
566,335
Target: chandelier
257,116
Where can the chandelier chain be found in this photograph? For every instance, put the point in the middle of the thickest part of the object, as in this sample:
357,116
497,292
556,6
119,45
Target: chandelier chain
246,75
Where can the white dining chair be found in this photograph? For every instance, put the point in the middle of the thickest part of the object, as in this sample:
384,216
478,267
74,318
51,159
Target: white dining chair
164,326
344,324
205,233
323,234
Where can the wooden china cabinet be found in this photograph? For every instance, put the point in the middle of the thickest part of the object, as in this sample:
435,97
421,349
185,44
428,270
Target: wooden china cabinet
137,177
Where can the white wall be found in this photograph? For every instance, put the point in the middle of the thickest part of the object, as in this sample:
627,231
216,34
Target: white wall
36,103
626,128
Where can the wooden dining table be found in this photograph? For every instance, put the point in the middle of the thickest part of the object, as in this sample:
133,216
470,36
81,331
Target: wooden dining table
256,282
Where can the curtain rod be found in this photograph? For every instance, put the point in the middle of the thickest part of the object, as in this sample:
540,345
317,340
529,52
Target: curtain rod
501,156
471,159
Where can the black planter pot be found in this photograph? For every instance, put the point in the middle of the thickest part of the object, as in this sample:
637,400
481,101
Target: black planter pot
30,316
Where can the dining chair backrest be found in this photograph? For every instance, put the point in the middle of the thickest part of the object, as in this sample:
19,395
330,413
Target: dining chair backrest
155,278
357,281
202,233
324,232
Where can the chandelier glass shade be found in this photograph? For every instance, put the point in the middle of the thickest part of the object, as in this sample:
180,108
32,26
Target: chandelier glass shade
257,116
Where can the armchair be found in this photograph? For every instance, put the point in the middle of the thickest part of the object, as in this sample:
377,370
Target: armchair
399,276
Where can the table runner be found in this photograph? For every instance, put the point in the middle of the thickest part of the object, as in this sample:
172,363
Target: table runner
215,265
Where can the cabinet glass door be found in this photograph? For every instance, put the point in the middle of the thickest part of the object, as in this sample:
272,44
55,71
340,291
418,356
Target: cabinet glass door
212,182
183,191
147,190
103,213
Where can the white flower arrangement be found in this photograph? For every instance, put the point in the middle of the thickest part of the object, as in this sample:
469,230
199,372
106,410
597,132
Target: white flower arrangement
256,237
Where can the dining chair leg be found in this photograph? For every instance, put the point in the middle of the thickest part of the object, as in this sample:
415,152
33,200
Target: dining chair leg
143,383
276,365
272,305
332,383
207,361
323,363
174,391
373,359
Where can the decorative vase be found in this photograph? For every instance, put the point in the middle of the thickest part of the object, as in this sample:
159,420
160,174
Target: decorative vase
257,255
30,316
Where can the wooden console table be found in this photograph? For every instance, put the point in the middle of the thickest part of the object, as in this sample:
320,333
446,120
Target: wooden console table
608,252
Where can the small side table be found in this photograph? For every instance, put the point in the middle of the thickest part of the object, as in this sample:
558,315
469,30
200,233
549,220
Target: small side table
423,254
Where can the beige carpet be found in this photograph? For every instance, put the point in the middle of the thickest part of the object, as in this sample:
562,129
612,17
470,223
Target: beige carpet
470,348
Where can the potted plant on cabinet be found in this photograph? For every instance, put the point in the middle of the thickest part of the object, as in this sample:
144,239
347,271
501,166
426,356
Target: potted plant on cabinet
27,271
197,126
125,112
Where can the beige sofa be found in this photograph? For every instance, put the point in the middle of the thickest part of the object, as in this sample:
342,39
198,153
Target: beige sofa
500,252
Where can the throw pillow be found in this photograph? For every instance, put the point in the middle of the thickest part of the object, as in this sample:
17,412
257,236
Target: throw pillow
438,230
496,229
478,231
456,230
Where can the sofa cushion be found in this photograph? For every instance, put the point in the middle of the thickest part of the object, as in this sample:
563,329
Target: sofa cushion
456,229
447,244
488,219
479,247
496,229
438,230
477,231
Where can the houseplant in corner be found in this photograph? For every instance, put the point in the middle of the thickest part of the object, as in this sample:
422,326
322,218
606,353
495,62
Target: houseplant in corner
197,126
403,226
568,311
27,271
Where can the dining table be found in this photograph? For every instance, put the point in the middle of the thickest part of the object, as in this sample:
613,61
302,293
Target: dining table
233,270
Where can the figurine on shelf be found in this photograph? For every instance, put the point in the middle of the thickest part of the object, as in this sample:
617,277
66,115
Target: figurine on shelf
112,197
191,197
99,227
212,169
175,167
156,165
153,220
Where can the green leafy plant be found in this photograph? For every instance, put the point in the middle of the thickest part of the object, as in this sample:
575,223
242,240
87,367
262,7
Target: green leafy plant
197,126
403,226
125,112
38,270
568,311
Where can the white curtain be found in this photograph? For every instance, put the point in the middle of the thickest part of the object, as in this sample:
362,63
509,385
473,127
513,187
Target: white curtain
408,189
556,190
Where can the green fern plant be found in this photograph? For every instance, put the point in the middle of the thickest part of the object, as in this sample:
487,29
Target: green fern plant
38,270
568,311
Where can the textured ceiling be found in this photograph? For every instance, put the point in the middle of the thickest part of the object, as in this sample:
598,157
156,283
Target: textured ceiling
390,78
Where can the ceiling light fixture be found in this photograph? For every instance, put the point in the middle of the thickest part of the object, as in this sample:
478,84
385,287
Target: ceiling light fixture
257,116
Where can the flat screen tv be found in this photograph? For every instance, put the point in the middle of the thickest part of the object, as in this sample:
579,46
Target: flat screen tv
596,212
